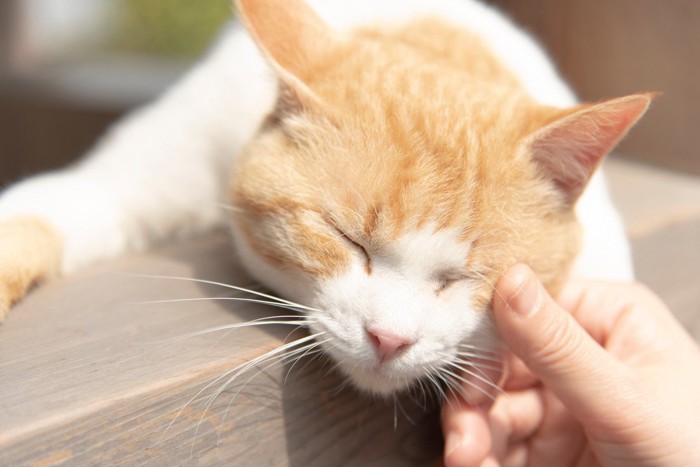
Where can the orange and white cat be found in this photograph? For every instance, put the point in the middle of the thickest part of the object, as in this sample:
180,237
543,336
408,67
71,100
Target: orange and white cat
386,160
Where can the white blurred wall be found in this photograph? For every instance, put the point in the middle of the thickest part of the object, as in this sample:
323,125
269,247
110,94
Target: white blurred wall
48,30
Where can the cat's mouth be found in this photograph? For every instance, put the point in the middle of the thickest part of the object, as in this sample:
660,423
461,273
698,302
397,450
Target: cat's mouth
471,382
373,375
436,367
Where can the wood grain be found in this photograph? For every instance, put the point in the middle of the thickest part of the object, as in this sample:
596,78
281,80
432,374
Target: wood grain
661,211
92,375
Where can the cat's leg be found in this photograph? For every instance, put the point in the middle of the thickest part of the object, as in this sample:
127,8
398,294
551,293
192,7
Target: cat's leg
29,249
160,172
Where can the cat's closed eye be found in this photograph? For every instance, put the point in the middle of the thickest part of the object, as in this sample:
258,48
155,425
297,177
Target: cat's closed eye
446,279
419,162
355,246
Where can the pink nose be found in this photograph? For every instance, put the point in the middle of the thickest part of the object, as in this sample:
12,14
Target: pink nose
388,346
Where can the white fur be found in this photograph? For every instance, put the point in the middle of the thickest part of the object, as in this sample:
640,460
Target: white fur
606,252
164,170
292,286
400,297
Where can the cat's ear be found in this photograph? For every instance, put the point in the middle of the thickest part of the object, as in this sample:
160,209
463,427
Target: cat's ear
293,38
570,148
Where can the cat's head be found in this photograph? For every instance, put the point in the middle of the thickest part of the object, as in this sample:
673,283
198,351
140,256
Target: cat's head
395,181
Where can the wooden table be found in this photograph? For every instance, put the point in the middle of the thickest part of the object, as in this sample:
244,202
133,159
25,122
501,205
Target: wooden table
93,374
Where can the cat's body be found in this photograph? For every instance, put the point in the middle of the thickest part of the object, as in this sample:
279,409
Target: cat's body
392,183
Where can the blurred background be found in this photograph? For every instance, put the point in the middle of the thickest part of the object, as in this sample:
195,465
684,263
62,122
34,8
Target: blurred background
612,48
70,67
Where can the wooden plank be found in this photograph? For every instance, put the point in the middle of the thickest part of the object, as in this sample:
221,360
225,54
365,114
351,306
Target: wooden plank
668,261
661,210
651,198
91,374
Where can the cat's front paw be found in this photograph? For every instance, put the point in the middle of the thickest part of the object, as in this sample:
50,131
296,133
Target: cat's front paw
4,305
30,250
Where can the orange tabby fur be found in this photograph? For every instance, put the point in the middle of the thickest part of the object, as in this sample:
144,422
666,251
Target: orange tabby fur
32,252
379,147
406,156
385,131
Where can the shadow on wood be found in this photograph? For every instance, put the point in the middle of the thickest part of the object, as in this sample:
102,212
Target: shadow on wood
94,373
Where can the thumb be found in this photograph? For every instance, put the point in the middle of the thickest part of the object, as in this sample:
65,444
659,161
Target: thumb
555,347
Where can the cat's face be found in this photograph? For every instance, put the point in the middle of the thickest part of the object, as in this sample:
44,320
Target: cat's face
396,247
388,192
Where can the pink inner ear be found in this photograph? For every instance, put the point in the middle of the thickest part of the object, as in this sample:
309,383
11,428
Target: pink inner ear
289,32
570,148
292,37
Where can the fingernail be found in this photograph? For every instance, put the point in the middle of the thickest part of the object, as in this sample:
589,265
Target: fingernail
525,300
453,442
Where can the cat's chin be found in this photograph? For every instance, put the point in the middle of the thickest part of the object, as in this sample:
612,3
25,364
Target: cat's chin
378,382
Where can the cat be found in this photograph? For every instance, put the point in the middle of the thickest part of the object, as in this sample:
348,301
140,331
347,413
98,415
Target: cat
384,161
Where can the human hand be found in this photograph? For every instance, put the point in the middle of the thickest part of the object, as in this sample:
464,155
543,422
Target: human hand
614,382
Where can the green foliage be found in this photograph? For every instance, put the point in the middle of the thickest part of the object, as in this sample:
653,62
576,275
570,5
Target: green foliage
172,28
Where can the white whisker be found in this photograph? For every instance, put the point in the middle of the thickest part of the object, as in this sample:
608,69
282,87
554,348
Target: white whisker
477,365
478,349
241,369
315,349
474,355
488,282
222,284
469,362
478,360
450,387
234,299
455,376
474,375
430,377
231,327
305,350
234,370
